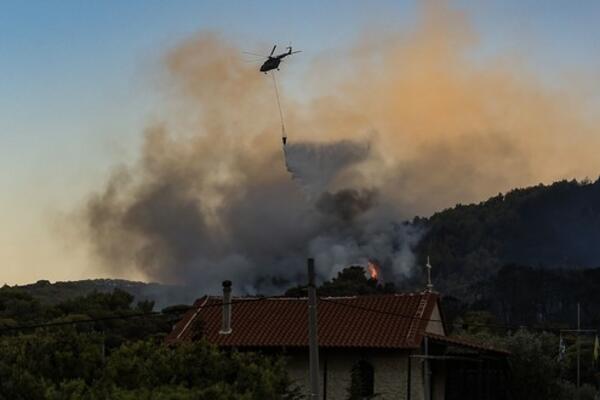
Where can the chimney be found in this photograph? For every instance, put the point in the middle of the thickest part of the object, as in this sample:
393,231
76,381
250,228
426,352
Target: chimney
226,325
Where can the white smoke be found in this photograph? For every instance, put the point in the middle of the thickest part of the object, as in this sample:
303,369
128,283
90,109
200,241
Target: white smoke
316,168
393,242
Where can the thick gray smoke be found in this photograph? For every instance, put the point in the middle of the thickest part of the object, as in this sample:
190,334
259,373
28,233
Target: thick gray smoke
160,218
211,199
346,204
316,165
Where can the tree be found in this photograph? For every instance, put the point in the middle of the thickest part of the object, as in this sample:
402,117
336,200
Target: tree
121,358
69,365
536,372
349,282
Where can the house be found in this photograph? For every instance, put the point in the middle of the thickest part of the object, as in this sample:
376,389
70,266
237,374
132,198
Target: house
394,346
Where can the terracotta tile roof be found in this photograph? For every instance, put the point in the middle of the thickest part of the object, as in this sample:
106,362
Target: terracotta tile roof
383,321
466,343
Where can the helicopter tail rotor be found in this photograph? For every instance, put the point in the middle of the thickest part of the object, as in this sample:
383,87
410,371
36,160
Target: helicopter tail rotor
289,49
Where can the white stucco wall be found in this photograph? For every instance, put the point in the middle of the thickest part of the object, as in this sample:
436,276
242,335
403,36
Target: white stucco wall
435,325
390,367
390,373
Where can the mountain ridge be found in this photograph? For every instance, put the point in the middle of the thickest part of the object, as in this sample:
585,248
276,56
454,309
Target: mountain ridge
52,293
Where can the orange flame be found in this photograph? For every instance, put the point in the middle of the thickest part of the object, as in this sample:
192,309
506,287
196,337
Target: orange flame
373,270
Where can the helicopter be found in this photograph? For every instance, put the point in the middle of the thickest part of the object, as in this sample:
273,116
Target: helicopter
272,61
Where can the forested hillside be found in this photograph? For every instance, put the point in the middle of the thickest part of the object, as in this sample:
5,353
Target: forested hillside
546,227
161,294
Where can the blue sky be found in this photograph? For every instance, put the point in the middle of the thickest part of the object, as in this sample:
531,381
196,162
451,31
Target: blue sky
76,81
76,74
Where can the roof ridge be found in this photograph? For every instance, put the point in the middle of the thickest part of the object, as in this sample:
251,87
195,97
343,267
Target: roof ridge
356,296
192,318
281,321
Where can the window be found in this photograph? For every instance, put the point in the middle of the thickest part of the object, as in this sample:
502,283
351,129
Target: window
362,383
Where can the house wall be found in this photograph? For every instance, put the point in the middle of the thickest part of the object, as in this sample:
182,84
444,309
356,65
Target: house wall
435,325
438,380
391,370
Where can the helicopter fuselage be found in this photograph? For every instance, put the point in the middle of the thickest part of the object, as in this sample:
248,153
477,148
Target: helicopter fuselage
274,61
271,63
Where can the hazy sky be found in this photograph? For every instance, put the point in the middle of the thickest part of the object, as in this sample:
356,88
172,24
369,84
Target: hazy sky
79,81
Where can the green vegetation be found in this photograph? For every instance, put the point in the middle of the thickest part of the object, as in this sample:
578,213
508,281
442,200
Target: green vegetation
550,227
57,292
523,258
120,358
18,308
537,371
348,282
66,364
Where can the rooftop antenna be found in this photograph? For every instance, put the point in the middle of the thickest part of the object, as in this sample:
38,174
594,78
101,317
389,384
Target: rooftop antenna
429,287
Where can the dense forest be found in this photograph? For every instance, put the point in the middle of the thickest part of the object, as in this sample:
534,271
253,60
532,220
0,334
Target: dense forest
549,227
161,294
528,256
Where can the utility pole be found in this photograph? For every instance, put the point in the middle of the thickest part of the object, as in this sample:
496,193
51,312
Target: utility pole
578,333
427,374
312,332
578,348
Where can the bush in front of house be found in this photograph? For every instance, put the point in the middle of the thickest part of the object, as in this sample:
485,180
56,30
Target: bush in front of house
119,359
65,364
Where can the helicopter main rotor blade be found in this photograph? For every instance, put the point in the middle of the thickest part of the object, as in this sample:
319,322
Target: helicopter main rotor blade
297,51
272,51
255,54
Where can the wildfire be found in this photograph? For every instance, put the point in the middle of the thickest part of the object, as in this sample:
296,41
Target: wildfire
374,270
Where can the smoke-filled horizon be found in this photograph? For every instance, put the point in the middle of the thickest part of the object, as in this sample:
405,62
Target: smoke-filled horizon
411,125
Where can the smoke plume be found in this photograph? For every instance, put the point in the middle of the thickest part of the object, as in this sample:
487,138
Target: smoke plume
315,165
346,204
211,199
